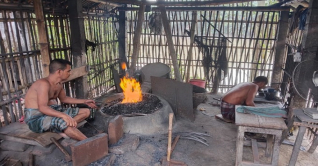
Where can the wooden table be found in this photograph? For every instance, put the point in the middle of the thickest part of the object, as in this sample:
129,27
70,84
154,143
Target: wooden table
303,121
263,125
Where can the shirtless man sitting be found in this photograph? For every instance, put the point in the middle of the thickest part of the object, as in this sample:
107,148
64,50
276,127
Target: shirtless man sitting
241,94
41,112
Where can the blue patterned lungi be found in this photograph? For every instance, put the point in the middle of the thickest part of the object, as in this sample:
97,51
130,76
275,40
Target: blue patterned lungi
39,122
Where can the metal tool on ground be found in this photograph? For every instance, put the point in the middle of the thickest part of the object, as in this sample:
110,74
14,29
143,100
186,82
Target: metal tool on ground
166,160
67,156
195,136
217,102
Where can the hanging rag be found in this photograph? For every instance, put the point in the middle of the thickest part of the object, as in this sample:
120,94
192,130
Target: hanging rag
222,60
302,19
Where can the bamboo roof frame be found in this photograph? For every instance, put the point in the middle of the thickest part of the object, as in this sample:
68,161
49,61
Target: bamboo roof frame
259,8
188,3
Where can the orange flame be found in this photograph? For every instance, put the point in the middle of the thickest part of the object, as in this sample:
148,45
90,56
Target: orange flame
131,89
123,65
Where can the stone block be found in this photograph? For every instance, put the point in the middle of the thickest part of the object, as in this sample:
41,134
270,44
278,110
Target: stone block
13,146
129,143
89,150
115,129
40,151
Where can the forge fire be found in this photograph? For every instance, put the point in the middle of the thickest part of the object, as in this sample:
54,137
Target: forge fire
148,105
131,88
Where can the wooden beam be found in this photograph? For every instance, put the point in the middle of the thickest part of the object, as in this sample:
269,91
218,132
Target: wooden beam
78,45
188,3
43,41
172,51
280,50
77,73
136,40
122,49
259,8
192,30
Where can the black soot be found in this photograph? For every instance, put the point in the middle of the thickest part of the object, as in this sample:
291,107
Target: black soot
148,105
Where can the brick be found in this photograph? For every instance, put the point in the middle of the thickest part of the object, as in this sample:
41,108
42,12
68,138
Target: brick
115,129
13,146
89,150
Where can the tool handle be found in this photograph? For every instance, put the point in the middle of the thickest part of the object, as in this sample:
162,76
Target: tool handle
169,136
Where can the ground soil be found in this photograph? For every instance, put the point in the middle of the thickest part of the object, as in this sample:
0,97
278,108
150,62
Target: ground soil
220,152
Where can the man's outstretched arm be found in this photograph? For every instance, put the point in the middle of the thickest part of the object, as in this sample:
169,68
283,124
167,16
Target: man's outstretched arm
69,100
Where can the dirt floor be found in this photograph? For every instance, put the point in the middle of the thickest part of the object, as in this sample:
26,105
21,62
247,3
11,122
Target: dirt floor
151,149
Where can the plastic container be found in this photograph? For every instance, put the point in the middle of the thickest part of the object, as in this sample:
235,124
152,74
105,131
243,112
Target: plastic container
198,82
154,69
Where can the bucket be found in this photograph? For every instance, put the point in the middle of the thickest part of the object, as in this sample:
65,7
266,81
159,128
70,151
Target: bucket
156,70
198,82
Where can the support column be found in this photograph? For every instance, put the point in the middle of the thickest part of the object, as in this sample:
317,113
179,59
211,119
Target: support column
122,38
309,43
310,39
280,54
78,45
136,40
44,44
172,51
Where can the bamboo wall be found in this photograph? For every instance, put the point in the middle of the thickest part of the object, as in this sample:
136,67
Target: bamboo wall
249,49
20,58
103,32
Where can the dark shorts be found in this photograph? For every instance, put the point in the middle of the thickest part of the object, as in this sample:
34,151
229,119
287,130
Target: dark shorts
39,122
228,110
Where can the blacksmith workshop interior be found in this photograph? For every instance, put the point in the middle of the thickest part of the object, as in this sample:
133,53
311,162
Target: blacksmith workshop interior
174,82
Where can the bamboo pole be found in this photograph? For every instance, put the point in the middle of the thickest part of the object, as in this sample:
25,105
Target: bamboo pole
169,136
172,51
136,40
189,59
28,61
43,41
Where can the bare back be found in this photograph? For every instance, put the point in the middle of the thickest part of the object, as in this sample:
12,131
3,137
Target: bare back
31,98
243,93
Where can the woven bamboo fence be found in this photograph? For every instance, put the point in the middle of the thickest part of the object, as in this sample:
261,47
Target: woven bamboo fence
20,58
249,43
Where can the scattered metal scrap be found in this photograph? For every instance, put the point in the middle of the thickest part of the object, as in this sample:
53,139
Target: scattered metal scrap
196,136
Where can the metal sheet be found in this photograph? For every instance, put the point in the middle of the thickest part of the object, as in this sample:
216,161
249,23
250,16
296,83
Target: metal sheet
177,94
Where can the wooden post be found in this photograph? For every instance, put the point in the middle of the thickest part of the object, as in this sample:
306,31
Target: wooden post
78,45
136,40
280,50
172,51
122,38
44,45
189,59
310,43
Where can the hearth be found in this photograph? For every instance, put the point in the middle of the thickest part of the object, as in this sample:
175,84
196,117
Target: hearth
148,117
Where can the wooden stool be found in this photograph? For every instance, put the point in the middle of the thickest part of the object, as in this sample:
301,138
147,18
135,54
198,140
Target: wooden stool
273,127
